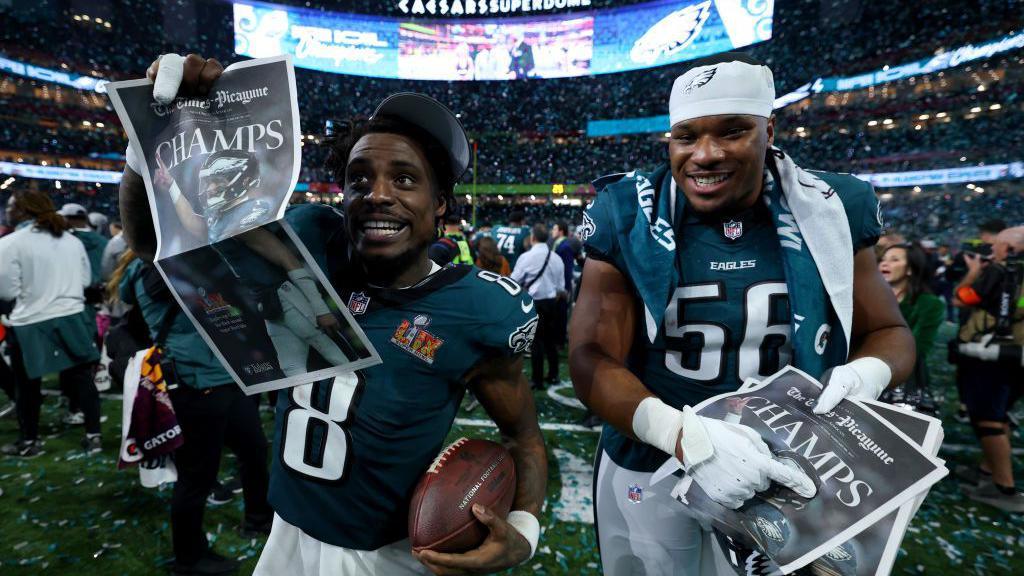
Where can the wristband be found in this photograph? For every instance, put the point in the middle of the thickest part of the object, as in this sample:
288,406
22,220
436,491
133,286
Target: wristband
527,525
174,192
657,424
132,159
304,282
873,372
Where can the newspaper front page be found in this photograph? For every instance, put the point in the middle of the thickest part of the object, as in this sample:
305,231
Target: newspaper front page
219,171
864,466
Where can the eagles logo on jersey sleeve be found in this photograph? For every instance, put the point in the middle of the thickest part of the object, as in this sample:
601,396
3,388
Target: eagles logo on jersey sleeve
514,318
598,230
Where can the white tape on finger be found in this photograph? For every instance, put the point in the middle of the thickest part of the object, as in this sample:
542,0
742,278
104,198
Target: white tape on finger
168,78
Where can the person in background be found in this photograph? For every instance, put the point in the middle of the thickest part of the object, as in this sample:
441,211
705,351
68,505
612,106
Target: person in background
990,362
512,238
905,268
451,246
488,258
77,218
112,251
563,247
541,275
212,412
100,224
80,225
890,238
50,329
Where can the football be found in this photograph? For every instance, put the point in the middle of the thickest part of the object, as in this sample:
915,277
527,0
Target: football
467,472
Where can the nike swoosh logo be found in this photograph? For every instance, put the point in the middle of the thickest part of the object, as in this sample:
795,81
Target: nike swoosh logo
526,309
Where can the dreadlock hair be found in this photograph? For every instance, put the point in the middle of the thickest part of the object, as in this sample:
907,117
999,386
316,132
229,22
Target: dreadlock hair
347,133
37,205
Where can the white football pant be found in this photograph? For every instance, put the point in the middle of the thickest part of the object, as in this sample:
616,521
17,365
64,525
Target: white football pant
297,331
650,534
291,551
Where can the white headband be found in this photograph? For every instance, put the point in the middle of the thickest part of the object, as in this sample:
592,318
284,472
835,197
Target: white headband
724,88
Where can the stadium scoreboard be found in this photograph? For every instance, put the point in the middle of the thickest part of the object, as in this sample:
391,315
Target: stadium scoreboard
579,43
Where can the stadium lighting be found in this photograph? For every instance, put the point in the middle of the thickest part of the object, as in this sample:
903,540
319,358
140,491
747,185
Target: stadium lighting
106,24
873,123
995,107
917,189
468,197
668,134
917,127
941,115
500,197
77,17
963,158
67,164
923,117
100,124
533,197
44,163
979,189
56,184
976,109
970,186
799,128
887,121
886,196
981,87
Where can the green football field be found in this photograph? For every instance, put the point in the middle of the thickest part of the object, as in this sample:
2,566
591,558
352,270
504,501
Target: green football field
67,513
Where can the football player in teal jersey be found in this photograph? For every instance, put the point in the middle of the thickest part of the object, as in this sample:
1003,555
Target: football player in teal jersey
512,238
686,295
349,452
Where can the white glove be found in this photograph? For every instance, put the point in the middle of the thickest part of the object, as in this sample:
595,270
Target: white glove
168,78
983,350
863,379
303,280
731,462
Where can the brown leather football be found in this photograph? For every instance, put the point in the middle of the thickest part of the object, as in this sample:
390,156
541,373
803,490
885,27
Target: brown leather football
467,472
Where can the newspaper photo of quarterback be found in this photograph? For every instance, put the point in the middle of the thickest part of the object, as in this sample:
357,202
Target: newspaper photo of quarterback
219,168
755,265
349,451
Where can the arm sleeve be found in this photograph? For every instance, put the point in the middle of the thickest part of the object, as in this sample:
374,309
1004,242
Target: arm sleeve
10,272
510,329
863,211
931,313
597,232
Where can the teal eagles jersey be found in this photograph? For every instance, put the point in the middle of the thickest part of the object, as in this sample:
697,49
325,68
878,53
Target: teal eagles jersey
349,453
511,240
729,317
94,244
247,214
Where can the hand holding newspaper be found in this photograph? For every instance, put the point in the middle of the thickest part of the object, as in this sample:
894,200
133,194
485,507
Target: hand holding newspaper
869,473
219,164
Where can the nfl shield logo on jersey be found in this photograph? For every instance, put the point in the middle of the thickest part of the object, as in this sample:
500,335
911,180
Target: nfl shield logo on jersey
732,229
358,302
635,493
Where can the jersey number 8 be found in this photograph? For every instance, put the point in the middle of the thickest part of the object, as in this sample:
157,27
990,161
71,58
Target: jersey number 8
314,441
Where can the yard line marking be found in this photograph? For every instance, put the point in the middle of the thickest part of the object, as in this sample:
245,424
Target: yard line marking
571,402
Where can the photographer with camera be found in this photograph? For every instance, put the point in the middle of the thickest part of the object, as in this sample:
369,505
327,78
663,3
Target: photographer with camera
990,360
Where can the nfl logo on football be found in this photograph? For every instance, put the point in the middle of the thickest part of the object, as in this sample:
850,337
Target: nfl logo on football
635,493
732,229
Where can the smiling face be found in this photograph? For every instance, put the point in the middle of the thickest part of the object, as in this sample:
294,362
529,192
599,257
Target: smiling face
893,266
391,201
718,161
